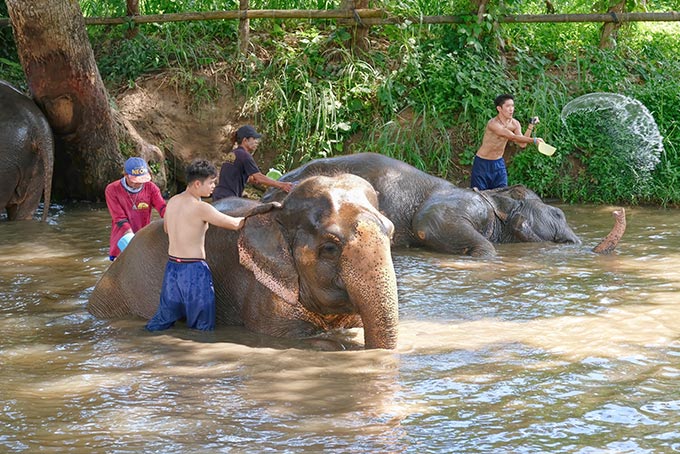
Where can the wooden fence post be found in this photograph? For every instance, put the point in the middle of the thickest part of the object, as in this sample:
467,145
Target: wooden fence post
609,31
357,29
243,28
132,10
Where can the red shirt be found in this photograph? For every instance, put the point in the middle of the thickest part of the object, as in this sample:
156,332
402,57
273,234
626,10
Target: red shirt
131,211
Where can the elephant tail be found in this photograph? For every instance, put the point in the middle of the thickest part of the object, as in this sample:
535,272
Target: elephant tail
609,243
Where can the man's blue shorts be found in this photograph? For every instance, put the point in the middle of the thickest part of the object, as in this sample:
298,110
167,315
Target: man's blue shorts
187,292
488,174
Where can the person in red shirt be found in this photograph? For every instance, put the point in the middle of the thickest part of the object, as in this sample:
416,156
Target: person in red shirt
130,201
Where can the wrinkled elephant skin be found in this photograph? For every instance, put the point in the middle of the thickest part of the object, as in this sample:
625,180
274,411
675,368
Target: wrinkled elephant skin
431,212
609,243
26,155
318,262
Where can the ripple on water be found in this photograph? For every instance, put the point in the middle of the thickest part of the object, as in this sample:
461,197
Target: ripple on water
546,348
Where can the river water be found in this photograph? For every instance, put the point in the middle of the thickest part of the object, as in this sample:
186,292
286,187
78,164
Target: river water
546,348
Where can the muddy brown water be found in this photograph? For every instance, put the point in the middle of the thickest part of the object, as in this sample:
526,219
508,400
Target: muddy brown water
546,348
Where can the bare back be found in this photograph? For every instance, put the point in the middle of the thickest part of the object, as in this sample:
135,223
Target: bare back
186,220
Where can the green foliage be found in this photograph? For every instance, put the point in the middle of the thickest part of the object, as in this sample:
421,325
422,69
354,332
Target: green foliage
422,141
313,97
10,69
423,93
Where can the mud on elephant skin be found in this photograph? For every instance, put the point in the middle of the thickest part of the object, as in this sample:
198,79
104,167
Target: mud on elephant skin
319,262
26,155
431,212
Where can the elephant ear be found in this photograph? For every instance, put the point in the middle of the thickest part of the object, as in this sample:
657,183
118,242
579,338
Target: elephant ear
522,230
263,250
262,208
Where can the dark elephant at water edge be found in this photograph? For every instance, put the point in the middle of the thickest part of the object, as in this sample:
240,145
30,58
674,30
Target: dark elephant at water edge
319,262
26,155
431,212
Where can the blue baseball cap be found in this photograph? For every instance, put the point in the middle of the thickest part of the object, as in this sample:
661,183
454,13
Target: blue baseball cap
137,170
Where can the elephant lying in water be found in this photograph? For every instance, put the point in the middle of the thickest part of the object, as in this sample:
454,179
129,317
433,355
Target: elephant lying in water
319,262
431,212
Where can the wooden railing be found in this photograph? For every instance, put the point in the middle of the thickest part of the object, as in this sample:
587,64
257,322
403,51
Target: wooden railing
366,17
372,17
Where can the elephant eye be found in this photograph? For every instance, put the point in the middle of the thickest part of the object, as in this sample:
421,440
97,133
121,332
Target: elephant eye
329,250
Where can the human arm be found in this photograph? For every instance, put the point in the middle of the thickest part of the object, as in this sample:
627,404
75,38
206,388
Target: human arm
513,133
262,179
212,216
157,200
533,121
116,209
530,129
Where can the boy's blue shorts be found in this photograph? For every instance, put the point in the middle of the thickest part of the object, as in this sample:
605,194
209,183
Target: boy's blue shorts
488,174
187,292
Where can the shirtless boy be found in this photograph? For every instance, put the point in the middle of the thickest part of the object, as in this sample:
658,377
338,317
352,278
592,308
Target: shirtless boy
488,167
187,290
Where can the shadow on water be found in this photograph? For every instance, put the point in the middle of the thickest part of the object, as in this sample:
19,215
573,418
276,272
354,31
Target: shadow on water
545,348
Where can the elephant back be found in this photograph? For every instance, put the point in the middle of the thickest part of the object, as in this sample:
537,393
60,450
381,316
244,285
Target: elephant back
28,144
132,284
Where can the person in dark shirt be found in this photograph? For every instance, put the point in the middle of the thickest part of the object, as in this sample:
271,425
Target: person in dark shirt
240,168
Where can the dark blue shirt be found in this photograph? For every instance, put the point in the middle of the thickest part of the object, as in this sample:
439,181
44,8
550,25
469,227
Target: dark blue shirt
237,167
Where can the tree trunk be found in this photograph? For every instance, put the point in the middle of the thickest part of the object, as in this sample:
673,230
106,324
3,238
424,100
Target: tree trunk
64,80
610,29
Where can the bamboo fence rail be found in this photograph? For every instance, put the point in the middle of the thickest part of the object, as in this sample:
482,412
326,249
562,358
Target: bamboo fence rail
373,17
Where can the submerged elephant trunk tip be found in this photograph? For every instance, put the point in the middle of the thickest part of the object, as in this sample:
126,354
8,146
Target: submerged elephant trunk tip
609,243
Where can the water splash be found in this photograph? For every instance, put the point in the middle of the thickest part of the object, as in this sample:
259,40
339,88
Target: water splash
629,127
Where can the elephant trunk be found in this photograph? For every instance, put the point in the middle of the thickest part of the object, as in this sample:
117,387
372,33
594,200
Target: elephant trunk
609,243
371,284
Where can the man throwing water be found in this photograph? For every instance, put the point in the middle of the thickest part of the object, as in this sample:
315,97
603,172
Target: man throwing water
488,167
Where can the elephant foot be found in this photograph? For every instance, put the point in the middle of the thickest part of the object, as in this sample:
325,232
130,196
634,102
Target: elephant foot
608,244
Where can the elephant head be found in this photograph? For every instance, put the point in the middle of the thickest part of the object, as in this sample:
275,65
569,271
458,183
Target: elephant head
319,262
328,255
467,221
525,218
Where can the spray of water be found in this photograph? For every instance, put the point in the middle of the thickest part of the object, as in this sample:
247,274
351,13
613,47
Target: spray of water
627,126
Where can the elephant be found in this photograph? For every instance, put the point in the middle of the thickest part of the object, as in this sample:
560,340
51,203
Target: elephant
320,261
433,213
26,155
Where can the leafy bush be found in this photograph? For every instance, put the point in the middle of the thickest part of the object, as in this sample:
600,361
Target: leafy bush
422,93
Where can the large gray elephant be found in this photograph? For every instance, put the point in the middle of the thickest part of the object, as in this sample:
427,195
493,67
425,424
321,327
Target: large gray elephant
431,212
319,262
26,155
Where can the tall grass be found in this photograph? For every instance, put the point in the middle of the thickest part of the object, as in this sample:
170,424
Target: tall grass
422,93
